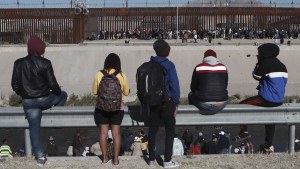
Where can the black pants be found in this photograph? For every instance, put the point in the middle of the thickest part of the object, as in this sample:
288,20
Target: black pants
270,128
164,113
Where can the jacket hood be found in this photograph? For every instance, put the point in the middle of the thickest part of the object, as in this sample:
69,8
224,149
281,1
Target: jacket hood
211,60
158,58
35,46
268,50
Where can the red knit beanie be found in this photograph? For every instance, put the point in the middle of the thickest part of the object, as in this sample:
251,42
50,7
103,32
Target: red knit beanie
35,45
210,52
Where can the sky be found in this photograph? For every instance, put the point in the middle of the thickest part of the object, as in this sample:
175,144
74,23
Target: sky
119,3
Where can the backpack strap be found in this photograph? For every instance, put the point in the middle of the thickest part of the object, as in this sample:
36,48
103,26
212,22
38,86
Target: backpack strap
116,72
104,72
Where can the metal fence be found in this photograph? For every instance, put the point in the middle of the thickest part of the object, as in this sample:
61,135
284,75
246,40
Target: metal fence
65,25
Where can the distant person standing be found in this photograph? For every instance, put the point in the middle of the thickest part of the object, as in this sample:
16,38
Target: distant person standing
187,138
272,76
209,85
212,146
202,142
110,85
34,80
77,144
51,149
5,150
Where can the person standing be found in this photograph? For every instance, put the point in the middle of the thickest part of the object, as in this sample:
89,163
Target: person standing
187,138
33,79
212,146
167,109
51,149
105,119
202,142
272,76
209,85
77,144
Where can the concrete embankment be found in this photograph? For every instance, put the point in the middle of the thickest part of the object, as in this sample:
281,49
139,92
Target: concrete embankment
75,66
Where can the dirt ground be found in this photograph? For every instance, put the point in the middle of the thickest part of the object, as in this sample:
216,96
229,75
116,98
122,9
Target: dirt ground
232,161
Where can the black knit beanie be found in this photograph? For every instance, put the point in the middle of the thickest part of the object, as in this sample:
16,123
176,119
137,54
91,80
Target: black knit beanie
268,50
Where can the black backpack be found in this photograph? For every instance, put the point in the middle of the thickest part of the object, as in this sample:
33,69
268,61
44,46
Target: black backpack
110,92
150,79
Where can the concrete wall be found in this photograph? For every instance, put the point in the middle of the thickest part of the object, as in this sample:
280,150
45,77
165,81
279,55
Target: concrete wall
75,66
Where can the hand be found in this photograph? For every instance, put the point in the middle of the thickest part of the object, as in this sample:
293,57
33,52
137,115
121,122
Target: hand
175,112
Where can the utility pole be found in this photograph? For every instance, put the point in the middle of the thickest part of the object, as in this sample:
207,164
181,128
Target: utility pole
43,3
104,4
71,3
270,3
292,3
126,3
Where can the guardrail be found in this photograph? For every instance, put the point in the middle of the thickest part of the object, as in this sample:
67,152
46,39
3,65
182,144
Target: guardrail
232,114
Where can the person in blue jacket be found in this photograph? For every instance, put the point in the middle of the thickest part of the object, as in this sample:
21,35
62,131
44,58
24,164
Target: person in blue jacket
272,76
166,111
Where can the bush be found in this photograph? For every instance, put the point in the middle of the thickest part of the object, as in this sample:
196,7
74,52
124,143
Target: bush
15,100
81,100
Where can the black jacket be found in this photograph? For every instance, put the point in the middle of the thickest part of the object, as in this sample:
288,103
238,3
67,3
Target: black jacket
209,82
33,77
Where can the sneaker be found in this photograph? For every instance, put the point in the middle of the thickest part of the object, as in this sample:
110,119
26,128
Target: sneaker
151,163
41,161
268,150
171,164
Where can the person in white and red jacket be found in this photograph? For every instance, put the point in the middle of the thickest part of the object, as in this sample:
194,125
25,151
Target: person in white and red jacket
209,85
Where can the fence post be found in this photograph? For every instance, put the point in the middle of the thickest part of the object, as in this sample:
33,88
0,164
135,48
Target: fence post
292,129
27,143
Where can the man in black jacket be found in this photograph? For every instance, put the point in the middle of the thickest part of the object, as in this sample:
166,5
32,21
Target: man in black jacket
33,79
209,85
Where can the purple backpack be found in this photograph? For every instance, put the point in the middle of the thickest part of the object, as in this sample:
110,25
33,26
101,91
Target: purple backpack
110,93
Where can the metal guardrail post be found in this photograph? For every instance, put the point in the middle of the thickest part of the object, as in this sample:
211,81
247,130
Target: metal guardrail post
27,143
292,139
292,130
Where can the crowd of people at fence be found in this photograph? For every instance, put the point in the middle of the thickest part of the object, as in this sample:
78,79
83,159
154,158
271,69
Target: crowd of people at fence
225,33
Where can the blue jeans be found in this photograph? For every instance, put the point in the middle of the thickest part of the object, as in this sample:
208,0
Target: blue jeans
206,108
33,111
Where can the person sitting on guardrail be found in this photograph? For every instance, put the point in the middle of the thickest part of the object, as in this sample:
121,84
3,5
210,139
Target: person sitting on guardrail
272,76
34,80
209,85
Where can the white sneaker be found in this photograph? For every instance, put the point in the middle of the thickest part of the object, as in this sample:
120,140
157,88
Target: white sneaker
171,164
151,163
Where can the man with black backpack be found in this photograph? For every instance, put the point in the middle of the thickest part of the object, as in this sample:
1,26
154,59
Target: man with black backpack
164,105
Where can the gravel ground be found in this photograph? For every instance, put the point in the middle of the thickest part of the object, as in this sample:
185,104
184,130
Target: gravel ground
256,161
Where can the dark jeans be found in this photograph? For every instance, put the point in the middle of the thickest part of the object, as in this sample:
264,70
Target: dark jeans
270,128
164,113
33,111
206,108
